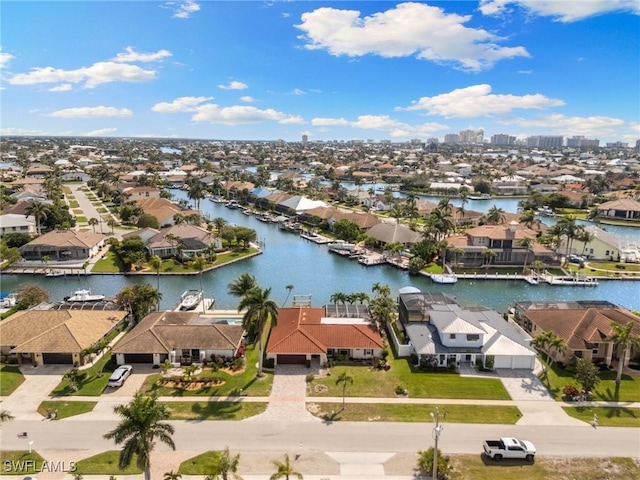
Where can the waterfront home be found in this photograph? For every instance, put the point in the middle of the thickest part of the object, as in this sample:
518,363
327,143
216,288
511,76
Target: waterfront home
192,240
442,333
503,240
362,219
138,193
602,246
388,233
45,337
303,334
64,245
583,325
625,209
13,223
163,209
183,338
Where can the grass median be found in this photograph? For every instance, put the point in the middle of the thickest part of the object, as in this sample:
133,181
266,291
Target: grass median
65,409
10,378
214,410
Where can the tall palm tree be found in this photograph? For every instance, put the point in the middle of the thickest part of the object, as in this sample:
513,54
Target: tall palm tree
141,426
5,416
285,470
156,263
39,211
527,243
495,215
623,338
289,290
225,466
568,228
242,285
199,263
172,475
220,223
344,378
586,238
259,309
551,344
93,222
338,297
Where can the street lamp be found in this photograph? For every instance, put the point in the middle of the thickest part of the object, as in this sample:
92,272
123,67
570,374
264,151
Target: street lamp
437,430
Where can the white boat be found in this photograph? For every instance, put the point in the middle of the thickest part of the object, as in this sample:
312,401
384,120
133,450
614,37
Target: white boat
8,301
341,246
84,296
190,299
54,273
484,196
531,280
545,211
444,278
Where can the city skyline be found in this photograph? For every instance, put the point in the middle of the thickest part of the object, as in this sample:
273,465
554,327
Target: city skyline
328,70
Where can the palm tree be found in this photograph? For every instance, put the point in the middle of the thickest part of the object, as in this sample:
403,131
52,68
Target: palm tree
623,338
220,223
111,223
285,470
242,285
259,309
495,216
344,379
585,237
338,297
551,344
225,466
289,290
93,222
156,263
567,227
527,243
5,416
172,475
488,256
199,263
39,212
141,425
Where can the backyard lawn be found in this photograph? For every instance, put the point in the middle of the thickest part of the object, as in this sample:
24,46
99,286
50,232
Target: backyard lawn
244,382
387,412
214,410
369,382
10,379
109,263
629,390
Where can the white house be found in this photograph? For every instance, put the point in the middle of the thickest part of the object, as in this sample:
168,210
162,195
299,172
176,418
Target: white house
14,223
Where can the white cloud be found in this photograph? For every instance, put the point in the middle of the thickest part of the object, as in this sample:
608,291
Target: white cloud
5,58
562,11
130,55
234,85
65,87
408,29
382,122
297,91
102,131
9,131
182,104
92,112
183,8
326,122
248,99
96,74
592,127
242,114
477,100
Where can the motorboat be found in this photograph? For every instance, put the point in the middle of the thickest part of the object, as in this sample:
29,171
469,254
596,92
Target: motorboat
190,299
484,196
7,300
55,273
545,211
444,278
84,296
531,280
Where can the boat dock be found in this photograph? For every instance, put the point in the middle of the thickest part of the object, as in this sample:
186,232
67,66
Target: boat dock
316,238
208,305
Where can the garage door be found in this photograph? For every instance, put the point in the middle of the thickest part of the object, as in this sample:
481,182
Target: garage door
138,358
291,359
57,358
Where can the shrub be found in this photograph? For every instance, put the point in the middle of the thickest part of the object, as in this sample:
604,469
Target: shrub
307,363
570,391
269,363
620,267
310,377
425,464
400,390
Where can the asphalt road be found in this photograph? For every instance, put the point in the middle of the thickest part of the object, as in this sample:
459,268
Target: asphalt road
581,441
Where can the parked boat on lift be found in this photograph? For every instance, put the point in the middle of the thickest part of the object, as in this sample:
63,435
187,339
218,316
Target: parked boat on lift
444,278
190,299
55,273
483,196
544,211
7,300
84,296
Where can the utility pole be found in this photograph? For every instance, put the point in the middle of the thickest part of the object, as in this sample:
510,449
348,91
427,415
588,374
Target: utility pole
437,430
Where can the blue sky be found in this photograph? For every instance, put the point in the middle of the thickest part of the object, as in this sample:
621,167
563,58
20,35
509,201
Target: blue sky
343,70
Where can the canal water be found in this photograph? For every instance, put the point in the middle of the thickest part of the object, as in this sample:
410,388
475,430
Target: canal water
291,260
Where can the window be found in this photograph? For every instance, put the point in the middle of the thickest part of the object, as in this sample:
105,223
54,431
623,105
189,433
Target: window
343,352
452,336
368,351
578,354
606,252
330,352
473,337
594,351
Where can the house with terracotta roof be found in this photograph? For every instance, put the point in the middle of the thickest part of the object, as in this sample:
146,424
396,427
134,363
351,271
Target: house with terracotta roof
183,338
626,209
584,325
307,333
163,209
45,337
443,333
193,240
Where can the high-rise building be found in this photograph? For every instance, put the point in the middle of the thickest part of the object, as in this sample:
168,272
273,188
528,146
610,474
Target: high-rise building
503,139
416,141
617,144
578,141
545,141
305,139
433,141
452,138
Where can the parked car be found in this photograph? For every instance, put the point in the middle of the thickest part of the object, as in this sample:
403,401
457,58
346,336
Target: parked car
119,375
576,259
509,447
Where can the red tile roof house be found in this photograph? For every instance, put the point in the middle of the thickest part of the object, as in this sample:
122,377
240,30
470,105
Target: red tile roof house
303,334
584,325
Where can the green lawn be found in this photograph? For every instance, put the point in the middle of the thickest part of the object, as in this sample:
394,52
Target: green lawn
607,416
65,409
200,464
94,383
20,462
214,410
106,464
109,263
478,467
368,382
10,379
78,211
629,390
73,204
387,412
233,384
81,219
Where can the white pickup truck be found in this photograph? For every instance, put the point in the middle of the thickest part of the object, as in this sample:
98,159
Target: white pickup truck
509,447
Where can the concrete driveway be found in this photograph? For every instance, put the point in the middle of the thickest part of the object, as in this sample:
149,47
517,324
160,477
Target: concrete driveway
38,383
